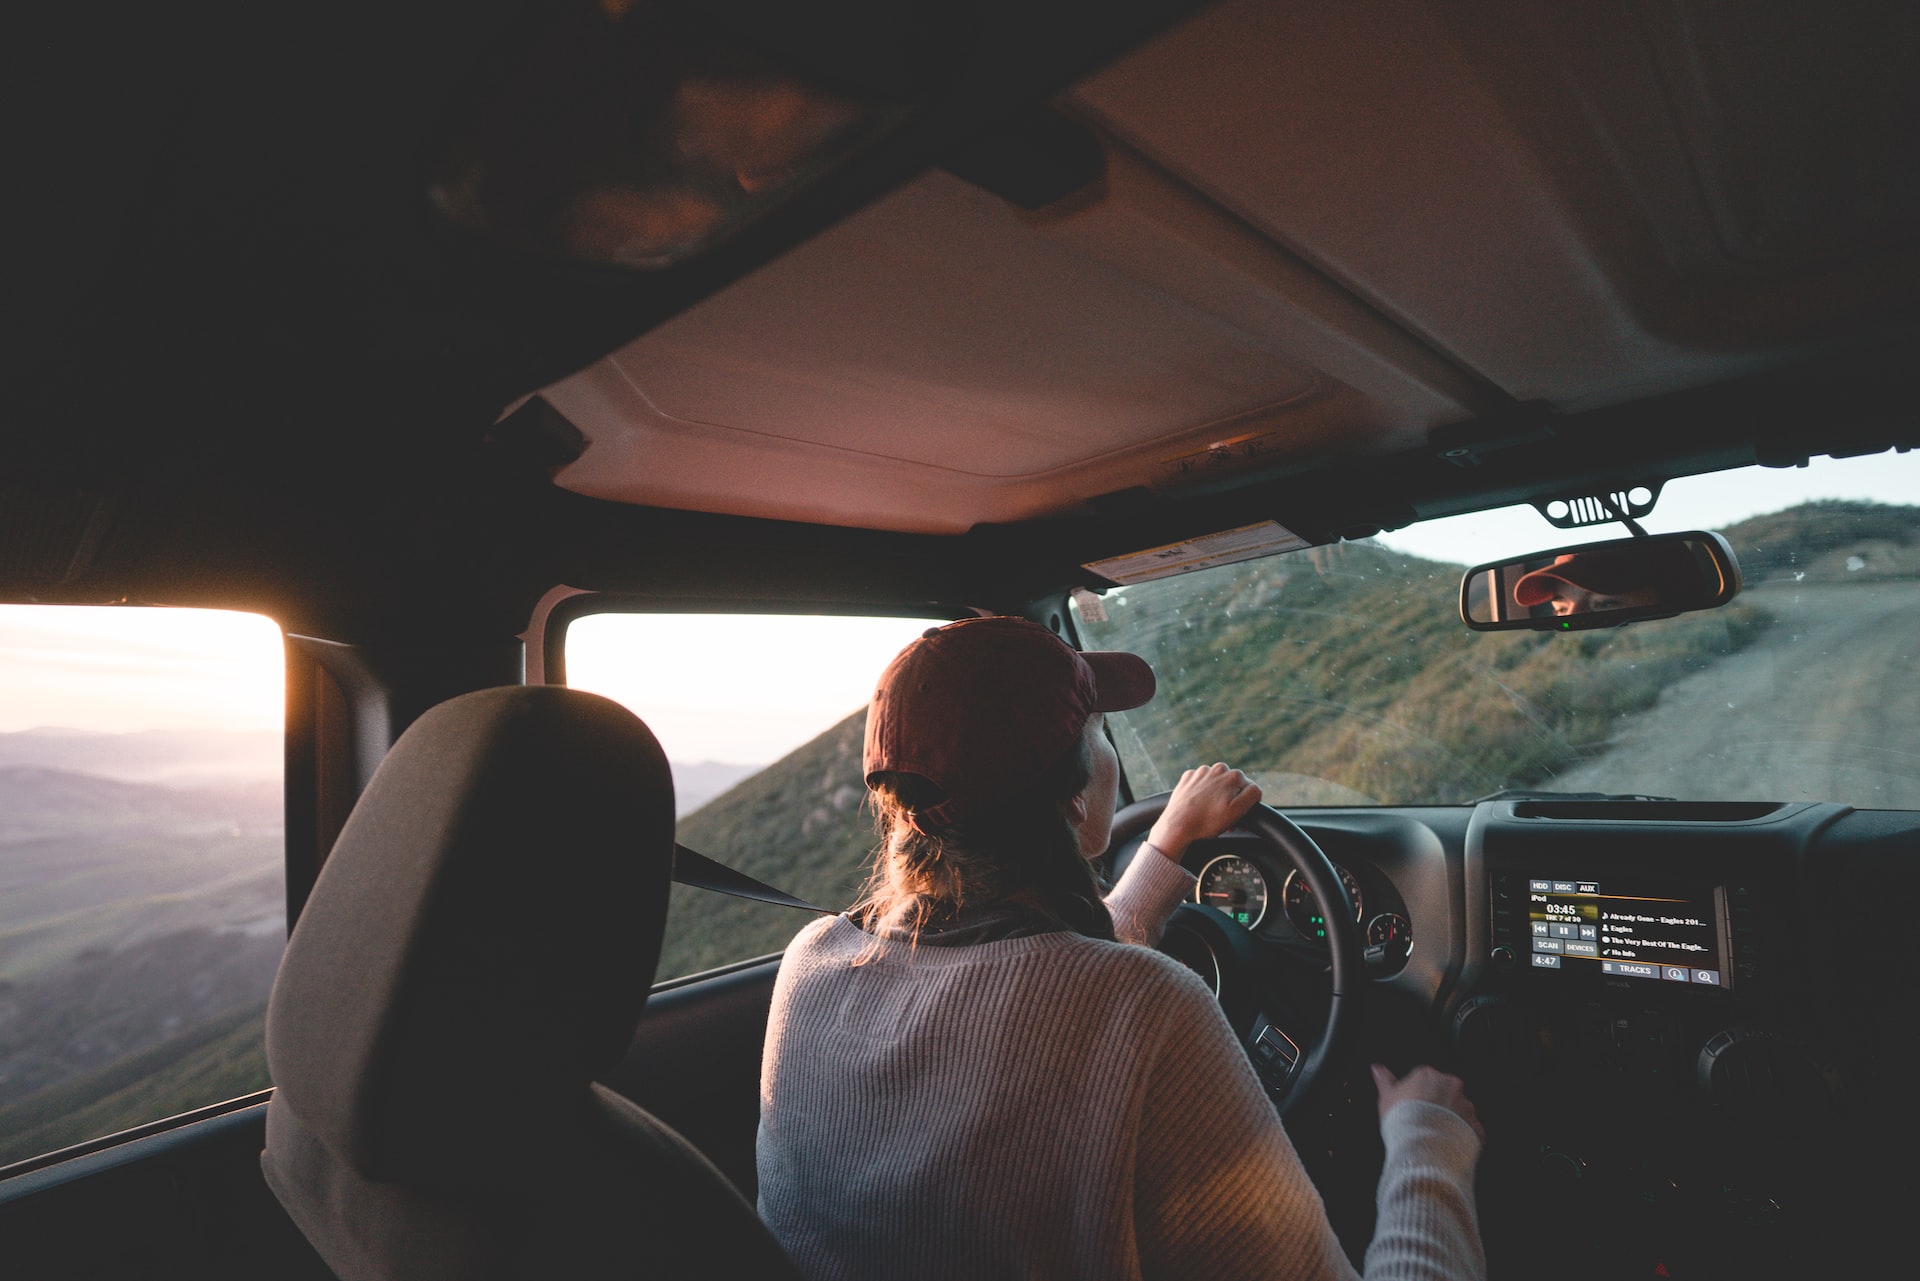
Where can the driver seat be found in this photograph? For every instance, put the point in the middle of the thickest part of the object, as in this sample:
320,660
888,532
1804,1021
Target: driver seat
476,950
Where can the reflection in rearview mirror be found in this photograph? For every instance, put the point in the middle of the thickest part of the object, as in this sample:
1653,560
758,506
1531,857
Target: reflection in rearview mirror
1601,584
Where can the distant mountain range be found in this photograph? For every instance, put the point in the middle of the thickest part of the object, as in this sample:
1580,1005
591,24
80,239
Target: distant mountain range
696,784
189,757
148,756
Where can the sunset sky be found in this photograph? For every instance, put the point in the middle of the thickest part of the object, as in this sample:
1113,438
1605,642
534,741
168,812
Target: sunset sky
119,668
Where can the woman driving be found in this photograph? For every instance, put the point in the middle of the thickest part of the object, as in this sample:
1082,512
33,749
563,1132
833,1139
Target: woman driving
980,1072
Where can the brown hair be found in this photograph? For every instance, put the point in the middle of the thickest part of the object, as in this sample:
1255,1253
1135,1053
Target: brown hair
922,879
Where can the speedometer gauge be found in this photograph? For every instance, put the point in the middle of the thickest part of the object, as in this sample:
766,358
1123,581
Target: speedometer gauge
1303,907
1232,885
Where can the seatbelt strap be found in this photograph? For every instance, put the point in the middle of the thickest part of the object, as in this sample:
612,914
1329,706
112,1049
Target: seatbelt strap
701,872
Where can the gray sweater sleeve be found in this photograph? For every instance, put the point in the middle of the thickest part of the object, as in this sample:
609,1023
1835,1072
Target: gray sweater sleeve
1145,896
1427,1226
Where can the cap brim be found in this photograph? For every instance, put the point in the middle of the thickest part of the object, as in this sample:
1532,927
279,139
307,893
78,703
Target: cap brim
1532,588
1120,680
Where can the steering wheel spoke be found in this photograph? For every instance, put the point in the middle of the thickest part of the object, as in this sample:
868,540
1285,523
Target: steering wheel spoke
1277,1057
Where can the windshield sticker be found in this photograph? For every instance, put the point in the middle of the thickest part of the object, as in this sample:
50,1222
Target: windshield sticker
1249,542
1091,608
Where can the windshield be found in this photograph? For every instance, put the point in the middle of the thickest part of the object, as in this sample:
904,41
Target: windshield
1342,675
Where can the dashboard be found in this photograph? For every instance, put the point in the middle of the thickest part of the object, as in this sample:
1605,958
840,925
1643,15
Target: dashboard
1668,1015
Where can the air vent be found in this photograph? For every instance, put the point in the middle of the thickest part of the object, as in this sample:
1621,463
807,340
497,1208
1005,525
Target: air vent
1650,811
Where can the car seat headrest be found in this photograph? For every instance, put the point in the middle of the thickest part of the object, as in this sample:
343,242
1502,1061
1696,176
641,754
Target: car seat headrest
480,942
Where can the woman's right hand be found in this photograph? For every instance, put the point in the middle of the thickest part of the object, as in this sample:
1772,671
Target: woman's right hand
1429,1085
1205,802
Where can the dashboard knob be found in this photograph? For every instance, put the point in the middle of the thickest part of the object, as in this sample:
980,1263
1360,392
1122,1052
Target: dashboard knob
1503,955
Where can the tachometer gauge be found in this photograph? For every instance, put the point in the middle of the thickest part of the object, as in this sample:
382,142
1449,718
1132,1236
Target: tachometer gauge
1232,885
1303,908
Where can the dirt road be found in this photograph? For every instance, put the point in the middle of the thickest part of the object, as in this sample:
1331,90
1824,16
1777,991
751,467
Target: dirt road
1825,706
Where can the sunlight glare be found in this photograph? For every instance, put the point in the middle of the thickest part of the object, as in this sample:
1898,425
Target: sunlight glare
740,688
1712,501
125,668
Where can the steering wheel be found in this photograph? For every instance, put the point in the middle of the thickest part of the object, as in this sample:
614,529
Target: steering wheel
1290,1061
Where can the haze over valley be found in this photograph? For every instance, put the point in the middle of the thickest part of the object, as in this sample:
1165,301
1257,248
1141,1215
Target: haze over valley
140,925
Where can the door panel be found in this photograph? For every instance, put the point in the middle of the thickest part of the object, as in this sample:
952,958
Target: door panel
188,1202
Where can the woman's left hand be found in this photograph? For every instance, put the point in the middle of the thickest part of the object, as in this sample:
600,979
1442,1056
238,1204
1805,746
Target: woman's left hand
1205,802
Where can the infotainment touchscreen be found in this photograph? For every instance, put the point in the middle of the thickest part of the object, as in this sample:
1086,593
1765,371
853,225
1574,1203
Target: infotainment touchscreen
1628,930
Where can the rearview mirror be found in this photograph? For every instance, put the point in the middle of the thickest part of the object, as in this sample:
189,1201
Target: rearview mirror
1601,584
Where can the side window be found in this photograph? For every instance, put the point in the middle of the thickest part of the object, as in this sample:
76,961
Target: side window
763,718
142,881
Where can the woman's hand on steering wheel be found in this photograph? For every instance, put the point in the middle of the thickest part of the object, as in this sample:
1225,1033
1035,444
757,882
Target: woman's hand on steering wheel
1205,802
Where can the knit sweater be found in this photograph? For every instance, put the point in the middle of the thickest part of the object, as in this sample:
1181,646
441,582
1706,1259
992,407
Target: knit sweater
1058,1106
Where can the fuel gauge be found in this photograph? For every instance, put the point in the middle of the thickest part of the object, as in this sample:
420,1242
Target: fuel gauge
1389,938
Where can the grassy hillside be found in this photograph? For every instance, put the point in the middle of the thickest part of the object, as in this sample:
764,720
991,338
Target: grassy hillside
800,824
1814,542
219,1059
1345,676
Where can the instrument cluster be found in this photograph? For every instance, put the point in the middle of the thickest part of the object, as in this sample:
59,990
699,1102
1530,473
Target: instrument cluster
1240,885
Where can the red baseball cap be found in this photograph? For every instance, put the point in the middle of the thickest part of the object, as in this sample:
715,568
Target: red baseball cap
983,707
1667,567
